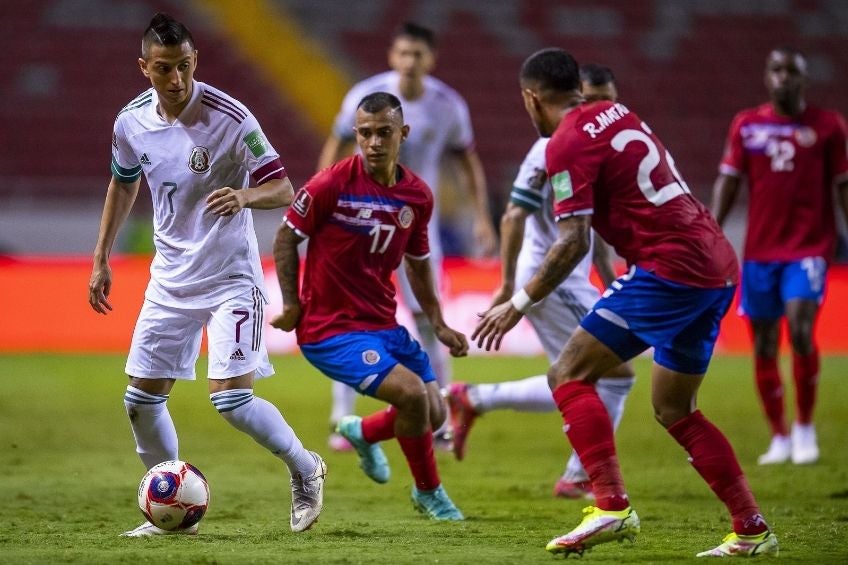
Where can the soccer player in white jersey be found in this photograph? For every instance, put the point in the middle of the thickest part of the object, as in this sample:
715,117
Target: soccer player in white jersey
198,147
440,127
528,230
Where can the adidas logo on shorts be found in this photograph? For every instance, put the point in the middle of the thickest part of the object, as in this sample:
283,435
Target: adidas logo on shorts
237,355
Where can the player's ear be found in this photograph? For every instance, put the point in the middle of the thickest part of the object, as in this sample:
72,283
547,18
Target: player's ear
404,132
142,64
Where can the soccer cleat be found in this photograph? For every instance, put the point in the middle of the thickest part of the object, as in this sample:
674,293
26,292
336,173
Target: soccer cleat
148,529
462,416
779,451
736,545
805,448
372,460
308,496
436,504
573,489
598,526
337,442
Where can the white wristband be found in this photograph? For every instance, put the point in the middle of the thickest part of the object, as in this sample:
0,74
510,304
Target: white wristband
521,301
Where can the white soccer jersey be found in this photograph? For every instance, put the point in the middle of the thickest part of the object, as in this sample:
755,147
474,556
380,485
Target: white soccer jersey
201,259
532,190
439,121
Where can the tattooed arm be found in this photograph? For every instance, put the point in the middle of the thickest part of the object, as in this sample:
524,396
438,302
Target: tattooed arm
287,264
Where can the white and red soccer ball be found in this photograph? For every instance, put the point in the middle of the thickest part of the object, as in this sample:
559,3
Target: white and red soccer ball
173,495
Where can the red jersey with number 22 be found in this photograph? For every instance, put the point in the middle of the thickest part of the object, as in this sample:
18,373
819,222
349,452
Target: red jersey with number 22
359,231
605,161
791,165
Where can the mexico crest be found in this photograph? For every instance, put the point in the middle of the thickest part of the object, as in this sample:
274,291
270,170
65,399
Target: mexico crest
199,161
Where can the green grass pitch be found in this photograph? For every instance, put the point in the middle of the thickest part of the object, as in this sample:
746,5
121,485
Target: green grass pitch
68,475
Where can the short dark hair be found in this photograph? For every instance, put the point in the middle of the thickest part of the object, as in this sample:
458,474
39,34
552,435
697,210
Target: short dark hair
415,31
379,101
596,75
551,69
164,30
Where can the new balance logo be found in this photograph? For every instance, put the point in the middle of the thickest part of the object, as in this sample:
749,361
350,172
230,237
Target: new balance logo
364,213
237,355
145,160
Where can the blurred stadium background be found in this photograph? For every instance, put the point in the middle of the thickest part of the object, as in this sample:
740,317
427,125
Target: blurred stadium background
68,66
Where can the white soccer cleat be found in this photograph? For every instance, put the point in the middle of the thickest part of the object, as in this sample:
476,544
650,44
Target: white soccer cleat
805,447
779,451
308,496
148,529
735,545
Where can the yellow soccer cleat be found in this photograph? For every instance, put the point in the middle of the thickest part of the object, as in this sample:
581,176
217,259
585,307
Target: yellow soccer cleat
735,545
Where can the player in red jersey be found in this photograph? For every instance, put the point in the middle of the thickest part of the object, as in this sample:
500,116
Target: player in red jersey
791,154
610,172
362,217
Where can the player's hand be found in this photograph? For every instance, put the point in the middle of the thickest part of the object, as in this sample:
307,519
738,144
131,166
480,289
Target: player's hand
454,340
287,321
493,325
225,201
99,287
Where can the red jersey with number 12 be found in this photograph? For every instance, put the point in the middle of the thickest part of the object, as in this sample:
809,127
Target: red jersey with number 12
359,231
791,165
605,161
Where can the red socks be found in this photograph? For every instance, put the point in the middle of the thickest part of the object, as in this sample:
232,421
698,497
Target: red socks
713,458
422,462
770,387
805,370
379,426
589,430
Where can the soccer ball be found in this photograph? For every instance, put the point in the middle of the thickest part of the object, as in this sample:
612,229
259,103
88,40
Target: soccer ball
173,495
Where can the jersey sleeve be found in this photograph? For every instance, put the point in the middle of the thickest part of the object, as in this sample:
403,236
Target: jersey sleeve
733,159
255,152
573,168
313,204
837,151
125,165
528,186
418,246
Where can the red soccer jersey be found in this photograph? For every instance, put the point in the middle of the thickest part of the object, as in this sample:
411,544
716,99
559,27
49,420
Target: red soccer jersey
359,231
791,165
603,160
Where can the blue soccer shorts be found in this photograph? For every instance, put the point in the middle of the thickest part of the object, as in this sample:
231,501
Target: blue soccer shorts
641,310
768,286
362,360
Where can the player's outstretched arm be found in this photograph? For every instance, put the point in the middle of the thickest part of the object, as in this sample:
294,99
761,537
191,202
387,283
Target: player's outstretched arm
512,235
227,201
421,281
569,248
120,197
287,263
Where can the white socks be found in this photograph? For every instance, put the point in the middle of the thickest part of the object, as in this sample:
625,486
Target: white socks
261,420
155,435
527,395
344,401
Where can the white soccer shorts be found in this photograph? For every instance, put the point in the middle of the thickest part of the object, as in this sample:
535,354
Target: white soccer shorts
166,341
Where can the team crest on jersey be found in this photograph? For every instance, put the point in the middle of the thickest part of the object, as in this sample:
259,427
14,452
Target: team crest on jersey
302,203
199,161
805,136
370,357
405,217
